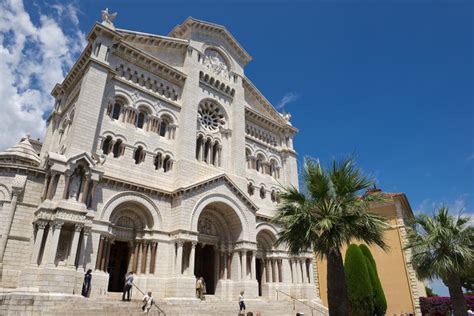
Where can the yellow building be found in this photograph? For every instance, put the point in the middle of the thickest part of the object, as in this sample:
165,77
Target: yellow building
401,286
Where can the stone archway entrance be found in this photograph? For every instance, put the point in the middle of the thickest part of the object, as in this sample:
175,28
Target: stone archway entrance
205,266
119,258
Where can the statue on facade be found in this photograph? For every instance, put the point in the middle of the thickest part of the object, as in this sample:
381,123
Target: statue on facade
107,18
75,185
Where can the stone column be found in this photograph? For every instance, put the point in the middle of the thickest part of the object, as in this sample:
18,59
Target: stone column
217,262
139,257
75,241
107,254
264,271
236,257
280,270
271,277
179,258
67,180
226,262
254,265
192,256
155,269
49,192
244,264
85,190
148,258
135,257
99,253
38,241
85,239
53,242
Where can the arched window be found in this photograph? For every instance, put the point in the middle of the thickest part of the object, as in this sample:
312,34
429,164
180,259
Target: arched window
199,144
139,155
273,196
167,164
164,126
274,169
262,192
250,189
215,154
158,161
118,148
116,111
141,119
248,154
207,149
106,145
259,164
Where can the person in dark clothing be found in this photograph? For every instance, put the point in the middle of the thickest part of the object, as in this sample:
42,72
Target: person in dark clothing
86,286
128,286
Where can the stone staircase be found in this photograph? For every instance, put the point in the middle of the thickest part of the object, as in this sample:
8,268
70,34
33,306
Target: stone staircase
113,306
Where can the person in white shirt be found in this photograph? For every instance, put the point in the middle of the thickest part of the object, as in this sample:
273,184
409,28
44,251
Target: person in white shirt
147,302
241,303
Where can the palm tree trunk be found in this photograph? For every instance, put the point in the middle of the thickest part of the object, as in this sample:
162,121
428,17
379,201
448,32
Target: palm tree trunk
338,300
457,297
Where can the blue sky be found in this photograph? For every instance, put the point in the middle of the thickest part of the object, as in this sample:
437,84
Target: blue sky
391,81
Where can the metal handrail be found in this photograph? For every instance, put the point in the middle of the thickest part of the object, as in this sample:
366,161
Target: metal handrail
295,299
154,303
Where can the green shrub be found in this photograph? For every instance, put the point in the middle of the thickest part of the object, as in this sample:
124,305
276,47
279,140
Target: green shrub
380,302
359,286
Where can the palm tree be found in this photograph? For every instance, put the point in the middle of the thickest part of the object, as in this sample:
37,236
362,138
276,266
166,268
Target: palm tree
442,247
327,215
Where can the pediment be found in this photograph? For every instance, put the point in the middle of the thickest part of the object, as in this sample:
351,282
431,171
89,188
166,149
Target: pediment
219,179
185,31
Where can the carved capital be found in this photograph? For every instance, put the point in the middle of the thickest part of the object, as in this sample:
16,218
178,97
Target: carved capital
41,224
78,227
58,224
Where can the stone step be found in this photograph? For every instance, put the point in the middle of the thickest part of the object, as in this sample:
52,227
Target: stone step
114,306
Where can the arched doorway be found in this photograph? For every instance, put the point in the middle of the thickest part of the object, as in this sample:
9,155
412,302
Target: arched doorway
127,225
219,228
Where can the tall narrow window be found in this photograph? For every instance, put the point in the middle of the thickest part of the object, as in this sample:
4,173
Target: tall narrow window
139,155
158,161
106,145
262,192
116,111
199,147
207,149
118,148
167,163
141,119
163,127
215,154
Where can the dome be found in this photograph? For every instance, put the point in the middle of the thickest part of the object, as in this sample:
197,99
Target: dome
22,152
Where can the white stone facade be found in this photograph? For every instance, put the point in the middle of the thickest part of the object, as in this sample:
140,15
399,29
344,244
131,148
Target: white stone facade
162,158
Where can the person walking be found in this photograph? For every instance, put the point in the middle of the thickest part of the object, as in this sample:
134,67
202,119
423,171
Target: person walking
241,303
86,285
147,302
127,286
200,288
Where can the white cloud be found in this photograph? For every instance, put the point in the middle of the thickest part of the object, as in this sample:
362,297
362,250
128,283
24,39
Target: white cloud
33,58
471,157
427,206
287,98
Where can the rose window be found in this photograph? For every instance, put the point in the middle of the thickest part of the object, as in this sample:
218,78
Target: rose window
210,116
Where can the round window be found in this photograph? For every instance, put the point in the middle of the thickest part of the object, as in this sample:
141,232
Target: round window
210,116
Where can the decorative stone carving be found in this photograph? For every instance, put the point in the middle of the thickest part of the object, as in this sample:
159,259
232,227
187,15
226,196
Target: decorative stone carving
216,63
210,116
108,18
205,226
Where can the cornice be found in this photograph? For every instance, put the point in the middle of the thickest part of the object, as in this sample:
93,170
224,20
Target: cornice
150,63
153,39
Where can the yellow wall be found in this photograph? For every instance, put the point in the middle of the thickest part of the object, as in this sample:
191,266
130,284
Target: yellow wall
390,266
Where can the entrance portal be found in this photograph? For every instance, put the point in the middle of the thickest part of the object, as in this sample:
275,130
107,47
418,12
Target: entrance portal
204,266
118,263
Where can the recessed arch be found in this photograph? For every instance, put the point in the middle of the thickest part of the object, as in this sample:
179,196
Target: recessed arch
129,199
4,193
221,200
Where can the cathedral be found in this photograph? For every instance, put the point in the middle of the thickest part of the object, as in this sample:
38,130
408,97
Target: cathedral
160,157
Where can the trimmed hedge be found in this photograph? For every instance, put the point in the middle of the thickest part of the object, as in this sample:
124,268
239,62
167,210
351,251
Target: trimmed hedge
440,305
359,287
380,302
